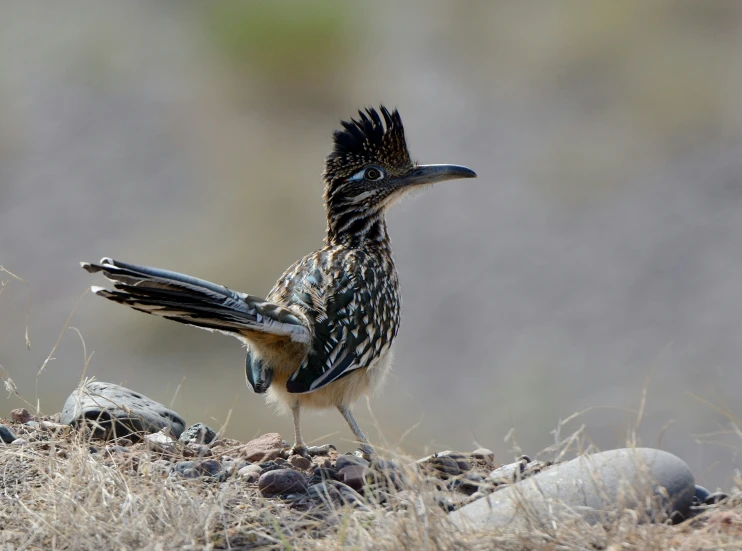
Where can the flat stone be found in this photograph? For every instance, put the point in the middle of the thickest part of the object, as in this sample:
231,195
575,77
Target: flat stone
113,411
6,435
263,447
353,476
300,462
160,443
251,473
20,415
591,487
281,481
198,433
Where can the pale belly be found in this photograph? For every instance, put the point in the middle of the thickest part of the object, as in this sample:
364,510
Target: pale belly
343,392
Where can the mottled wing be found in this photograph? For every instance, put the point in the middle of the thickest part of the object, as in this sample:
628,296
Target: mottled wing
346,333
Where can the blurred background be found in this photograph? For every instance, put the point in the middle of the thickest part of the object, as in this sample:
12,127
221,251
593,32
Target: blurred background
596,257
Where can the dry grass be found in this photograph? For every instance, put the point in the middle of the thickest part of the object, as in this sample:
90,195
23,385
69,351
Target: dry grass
56,494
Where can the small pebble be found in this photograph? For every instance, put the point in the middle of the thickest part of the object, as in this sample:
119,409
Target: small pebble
281,481
251,473
161,443
346,460
210,467
300,462
198,434
181,466
353,476
267,446
20,415
19,442
6,435
461,460
483,454
193,449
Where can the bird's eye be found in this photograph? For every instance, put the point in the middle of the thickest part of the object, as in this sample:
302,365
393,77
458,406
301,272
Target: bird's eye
372,174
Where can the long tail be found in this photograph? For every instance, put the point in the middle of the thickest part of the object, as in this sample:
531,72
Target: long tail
193,301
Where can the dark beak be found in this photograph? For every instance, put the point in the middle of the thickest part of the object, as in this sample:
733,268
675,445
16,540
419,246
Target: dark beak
430,174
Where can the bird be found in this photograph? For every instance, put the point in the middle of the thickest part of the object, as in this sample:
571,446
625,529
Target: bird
323,336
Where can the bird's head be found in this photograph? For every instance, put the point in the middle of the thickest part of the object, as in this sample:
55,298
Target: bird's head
369,169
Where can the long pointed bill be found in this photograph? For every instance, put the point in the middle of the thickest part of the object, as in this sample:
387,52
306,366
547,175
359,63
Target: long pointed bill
430,174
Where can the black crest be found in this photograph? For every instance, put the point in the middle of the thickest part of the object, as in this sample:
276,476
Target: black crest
376,136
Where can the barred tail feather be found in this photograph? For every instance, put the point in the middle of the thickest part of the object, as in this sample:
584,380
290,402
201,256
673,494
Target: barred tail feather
193,301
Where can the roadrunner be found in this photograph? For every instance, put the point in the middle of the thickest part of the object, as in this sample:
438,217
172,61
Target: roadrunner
323,336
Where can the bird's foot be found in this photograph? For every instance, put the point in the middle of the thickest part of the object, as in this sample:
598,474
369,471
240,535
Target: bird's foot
311,451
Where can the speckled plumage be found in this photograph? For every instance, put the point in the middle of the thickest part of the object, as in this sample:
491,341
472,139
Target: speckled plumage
323,336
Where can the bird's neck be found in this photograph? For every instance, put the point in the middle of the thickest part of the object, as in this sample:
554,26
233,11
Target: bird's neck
358,229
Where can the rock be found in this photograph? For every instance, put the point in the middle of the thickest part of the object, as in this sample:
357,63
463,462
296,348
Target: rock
507,474
263,447
346,460
483,454
6,435
196,450
210,467
19,442
160,443
185,469
300,462
251,473
461,459
20,415
332,491
322,474
281,481
590,486
198,434
443,466
113,411
353,476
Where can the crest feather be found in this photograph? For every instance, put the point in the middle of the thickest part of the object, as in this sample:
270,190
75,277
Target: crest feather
370,132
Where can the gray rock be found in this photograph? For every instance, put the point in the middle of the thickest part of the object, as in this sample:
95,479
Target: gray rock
19,442
113,411
161,443
507,474
281,481
483,454
591,487
6,435
250,473
462,461
300,462
198,433
210,467
346,460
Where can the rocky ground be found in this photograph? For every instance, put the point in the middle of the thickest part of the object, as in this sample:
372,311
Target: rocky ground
62,487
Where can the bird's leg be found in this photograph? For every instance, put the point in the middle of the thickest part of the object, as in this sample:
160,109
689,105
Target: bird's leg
367,449
299,447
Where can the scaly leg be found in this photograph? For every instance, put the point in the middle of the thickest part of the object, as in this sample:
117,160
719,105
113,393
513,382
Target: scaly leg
366,447
299,447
